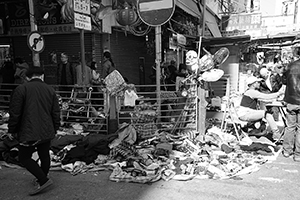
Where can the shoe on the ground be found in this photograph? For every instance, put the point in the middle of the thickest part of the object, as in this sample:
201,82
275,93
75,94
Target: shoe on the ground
287,154
41,188
35,182
296,159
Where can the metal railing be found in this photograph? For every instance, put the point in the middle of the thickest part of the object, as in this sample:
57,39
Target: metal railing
79,105
89,107
175,114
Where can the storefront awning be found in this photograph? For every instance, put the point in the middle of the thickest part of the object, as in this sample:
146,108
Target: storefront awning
212,25
191,8
225,41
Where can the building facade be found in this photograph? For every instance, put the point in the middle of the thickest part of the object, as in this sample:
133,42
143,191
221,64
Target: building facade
260,18
132,47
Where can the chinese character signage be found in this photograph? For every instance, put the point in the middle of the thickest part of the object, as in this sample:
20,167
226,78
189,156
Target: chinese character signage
241,22
82,12
82,21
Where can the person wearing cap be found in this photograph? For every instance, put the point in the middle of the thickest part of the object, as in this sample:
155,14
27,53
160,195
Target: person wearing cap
34,119
291,138
249,107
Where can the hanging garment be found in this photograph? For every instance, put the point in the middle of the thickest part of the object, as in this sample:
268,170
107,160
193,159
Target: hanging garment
130,97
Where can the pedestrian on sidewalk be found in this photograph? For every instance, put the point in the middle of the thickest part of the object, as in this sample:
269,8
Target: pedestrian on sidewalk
66,75
34,119
291,138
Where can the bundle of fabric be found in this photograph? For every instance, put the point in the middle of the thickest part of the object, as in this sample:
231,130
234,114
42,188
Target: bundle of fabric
135,175
4,116
114,83
144,123
124,149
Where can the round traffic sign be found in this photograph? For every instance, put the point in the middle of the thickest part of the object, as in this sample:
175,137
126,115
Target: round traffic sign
155,12
35,42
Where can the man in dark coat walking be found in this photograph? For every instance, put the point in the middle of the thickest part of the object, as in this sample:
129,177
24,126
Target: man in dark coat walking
34,119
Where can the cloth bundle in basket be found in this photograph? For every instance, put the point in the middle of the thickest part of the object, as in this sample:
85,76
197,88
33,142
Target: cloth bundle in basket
144,123
114,82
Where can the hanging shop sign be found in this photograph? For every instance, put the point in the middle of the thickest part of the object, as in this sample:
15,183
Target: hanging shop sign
82,21
177,40
82,6
181,39
241,22
36,42
155,12
82,12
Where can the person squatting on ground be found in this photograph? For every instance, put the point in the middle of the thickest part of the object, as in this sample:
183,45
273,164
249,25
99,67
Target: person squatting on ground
34,119
248,110
291,138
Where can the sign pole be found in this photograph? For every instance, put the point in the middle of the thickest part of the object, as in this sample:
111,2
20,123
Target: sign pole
82,55
201,89
33,27
82,21
157,62
156,13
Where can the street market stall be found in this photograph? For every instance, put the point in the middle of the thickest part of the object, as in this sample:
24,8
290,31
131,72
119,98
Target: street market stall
144,151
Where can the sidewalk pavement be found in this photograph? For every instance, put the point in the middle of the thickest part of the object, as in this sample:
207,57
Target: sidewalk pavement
276,180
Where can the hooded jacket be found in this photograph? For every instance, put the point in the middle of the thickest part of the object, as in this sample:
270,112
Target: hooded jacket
34,112
292,77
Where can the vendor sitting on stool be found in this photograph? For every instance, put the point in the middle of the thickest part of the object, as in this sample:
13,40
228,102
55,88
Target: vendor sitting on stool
249,108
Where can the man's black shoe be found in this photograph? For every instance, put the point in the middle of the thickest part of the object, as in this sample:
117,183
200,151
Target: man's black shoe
41,188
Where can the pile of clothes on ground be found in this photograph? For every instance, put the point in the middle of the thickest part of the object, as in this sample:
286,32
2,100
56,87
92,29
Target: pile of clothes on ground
161,156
